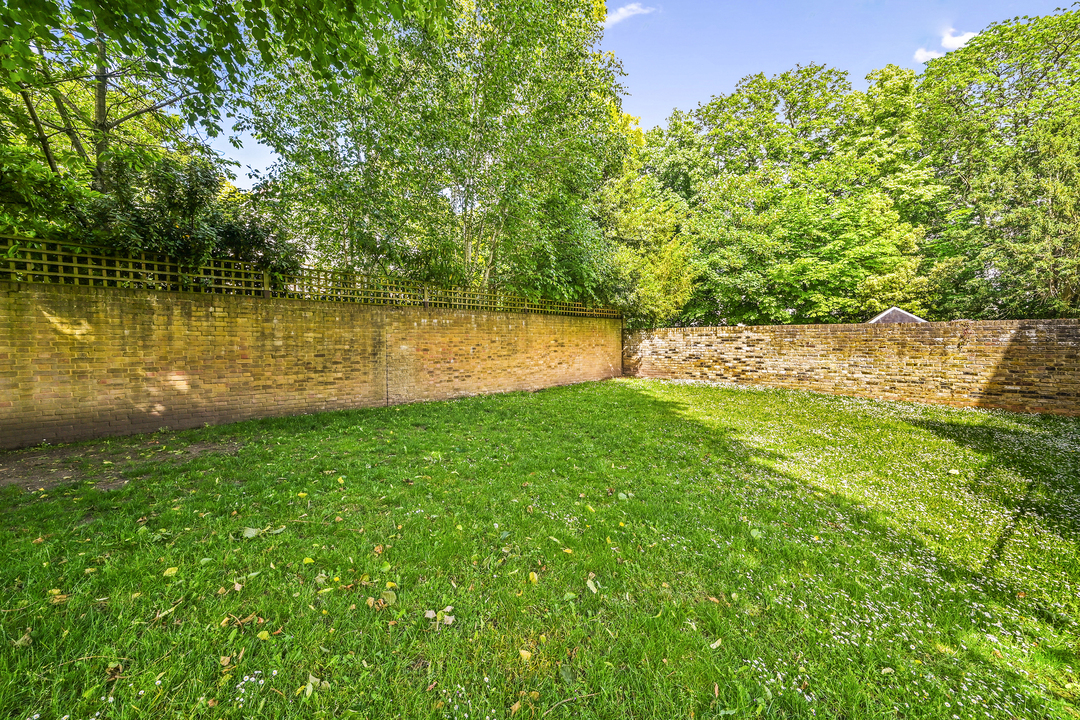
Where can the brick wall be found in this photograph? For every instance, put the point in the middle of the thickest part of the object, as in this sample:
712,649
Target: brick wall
77,363
1021,365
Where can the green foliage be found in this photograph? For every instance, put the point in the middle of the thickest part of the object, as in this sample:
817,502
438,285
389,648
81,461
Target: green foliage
804,198
183,208
954,194
35,201
209,47
1001,125
651,254
473,163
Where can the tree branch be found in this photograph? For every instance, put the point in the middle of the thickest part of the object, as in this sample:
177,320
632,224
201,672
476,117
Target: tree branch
151,108
46,147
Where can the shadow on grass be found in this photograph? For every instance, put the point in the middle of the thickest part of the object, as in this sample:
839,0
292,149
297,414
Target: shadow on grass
1051,474
1050,493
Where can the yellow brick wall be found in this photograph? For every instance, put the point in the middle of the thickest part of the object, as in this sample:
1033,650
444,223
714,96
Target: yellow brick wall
1020,365
78,363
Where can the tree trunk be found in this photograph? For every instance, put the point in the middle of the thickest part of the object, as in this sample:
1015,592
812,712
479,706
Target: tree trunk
101,117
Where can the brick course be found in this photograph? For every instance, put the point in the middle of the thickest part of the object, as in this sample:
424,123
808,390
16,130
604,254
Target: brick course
1019,365
78,363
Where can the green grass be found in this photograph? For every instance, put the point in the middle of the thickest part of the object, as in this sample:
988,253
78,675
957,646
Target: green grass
699,552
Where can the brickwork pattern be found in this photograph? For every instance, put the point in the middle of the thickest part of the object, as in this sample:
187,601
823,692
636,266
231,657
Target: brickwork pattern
78,363
1019,365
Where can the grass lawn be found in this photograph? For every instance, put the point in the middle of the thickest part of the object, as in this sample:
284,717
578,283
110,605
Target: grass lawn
620,549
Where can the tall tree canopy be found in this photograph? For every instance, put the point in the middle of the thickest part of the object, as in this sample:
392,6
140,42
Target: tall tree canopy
481,143
952,194
1002,123
474,162
105,95
208,47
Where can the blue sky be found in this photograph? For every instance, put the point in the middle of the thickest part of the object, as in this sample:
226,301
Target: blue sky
678,54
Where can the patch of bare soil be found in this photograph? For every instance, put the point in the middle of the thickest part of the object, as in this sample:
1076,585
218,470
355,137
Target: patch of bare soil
108,466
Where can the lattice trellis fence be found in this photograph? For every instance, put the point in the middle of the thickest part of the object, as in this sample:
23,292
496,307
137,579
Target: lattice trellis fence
38,261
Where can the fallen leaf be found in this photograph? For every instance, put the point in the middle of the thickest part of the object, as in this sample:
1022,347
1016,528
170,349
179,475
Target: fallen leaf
886,671
567,674
514,708
25,640
568,551
378,549
715,644
237,587
169,572
525,655
211,702
308,561
533,578
37,541
250,532
302,495
225,660
389,597
264,635
591,585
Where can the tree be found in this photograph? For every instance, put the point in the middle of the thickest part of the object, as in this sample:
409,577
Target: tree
644,225
811,209
999,116
207,47
474,162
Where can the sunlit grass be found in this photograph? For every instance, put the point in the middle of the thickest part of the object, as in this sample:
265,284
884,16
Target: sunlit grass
698,552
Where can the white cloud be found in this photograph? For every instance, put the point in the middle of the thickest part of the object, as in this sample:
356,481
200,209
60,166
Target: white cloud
923,55
949,41
626,11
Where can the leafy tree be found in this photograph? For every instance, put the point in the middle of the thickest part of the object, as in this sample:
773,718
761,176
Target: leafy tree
651,255
1000,118
79,113
206,47
809,207
473,163
34,201
184,208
